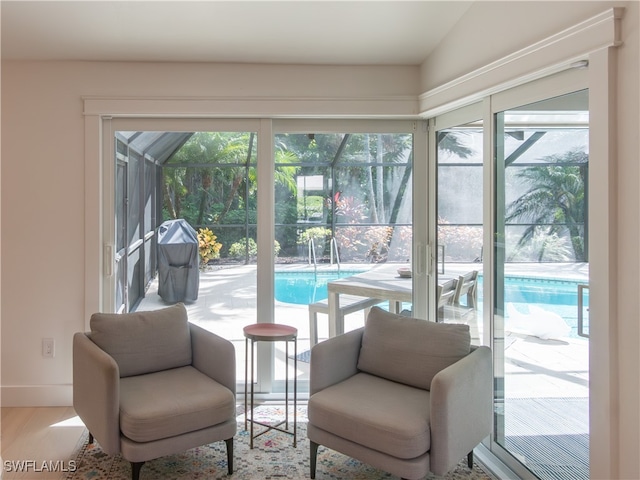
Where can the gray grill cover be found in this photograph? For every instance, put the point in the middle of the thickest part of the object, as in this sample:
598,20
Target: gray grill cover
178,262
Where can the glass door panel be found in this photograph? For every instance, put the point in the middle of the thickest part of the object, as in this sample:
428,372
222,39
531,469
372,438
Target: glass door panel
343,206
539,295
212,180
120,217
209,179
460,226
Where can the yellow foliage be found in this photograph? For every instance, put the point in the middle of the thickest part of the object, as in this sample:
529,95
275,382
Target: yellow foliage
208,247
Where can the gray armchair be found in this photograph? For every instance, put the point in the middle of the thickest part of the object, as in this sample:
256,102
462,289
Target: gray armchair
149,384
402,394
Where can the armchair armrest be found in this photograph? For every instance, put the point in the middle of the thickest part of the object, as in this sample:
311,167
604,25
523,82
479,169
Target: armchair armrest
96,392
214,356
334,360
461,408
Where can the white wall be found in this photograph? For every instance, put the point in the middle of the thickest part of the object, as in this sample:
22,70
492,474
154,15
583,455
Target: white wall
494,29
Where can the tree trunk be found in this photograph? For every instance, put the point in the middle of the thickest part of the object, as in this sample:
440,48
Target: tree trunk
236,183
206,183
372,195
576,243
380,181
168,202
227,204
395,210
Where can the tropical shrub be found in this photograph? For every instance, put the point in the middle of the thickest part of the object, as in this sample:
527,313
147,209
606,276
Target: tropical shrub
315,233
241,247
208,247
374,243
462,243
349,209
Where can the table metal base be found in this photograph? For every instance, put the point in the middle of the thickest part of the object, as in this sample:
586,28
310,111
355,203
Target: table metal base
270,332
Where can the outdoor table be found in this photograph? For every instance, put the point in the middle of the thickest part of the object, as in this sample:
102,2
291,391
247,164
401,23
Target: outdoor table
381,282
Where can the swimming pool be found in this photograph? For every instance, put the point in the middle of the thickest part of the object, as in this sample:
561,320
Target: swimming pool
306,287
540,290
551,295
554,295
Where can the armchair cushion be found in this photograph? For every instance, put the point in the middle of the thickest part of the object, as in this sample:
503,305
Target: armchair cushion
184,400
138,349
410,350
385,416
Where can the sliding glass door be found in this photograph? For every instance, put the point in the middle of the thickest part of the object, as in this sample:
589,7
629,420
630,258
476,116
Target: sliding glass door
459,139
202,173
341,202
343,206
511,195
540,287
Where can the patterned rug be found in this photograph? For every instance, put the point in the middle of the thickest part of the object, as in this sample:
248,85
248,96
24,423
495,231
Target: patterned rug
273,457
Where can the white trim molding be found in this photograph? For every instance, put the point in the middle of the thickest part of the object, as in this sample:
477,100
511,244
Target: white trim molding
37,395
397,107
541,59
604,372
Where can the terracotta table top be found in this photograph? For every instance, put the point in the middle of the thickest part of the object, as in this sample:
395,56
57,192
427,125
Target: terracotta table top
270,332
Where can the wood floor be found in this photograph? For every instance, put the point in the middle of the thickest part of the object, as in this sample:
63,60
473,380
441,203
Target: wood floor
38,443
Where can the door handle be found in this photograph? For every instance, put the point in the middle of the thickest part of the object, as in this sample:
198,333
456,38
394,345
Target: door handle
581,288
107,259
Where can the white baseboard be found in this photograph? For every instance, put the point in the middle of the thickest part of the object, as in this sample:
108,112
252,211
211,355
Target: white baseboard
37,396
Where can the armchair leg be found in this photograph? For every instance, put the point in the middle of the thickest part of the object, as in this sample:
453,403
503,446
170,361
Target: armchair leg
313,452
135,470
229,443
470,459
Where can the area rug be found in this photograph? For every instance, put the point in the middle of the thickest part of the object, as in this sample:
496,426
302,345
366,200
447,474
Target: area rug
273,457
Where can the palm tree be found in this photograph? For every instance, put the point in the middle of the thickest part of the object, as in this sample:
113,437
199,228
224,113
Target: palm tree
451,141
200,155
556,198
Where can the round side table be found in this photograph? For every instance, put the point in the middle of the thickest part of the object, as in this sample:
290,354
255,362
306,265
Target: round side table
271,332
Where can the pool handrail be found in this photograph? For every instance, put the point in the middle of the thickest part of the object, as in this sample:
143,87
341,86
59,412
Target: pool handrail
312,254
333,248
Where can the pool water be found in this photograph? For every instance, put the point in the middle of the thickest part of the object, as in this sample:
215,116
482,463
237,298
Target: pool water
557,296
541,290
304,288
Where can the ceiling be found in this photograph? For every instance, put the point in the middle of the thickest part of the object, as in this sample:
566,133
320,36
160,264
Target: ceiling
277,32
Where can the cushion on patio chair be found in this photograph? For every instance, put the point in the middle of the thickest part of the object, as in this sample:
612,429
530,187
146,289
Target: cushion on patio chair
144,342
388,417
185,400
410,350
